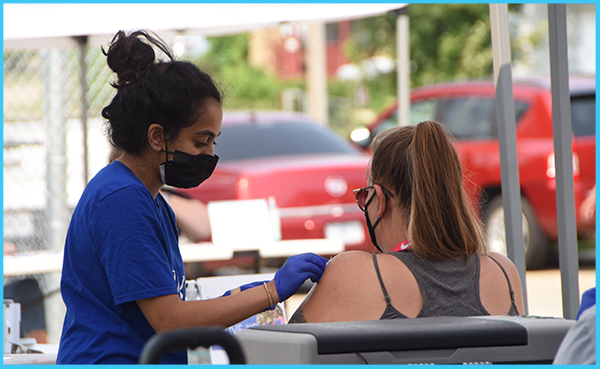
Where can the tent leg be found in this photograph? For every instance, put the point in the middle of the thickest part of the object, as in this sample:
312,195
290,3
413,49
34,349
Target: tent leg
507,137
563,148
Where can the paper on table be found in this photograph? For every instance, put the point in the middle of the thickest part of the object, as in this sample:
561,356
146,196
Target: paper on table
243,224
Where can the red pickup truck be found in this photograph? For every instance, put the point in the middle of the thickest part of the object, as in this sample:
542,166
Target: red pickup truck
467,109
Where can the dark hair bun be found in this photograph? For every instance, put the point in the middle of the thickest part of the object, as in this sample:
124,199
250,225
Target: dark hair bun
128,55
170,93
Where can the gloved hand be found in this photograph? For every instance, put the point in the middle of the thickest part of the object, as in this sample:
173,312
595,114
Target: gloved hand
295,271
246,286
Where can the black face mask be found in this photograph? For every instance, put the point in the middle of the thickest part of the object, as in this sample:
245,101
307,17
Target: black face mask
187,170
371,227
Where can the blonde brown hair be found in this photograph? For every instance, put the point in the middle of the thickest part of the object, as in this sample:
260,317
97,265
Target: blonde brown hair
420,165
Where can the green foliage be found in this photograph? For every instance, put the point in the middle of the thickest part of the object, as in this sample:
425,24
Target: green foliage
244,87
447,42
341,88
380,88
341,106
450,41
372,36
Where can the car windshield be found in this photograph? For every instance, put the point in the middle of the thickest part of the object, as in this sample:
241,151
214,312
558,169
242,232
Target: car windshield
247,141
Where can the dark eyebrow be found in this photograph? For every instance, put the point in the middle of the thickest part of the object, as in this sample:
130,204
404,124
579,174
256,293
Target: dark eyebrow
207,132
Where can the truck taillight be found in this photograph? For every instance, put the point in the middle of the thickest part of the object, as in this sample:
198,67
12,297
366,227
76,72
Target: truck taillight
551,171
242,188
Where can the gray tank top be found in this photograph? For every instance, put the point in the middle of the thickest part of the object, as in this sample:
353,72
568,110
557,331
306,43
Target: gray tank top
449,287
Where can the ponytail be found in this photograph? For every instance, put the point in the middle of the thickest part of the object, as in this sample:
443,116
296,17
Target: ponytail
421,165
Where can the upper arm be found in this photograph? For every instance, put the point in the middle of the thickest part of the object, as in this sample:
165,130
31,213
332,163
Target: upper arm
326,298
513,275
160,311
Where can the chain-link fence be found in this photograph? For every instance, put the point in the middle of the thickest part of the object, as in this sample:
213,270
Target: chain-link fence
47,157
42,107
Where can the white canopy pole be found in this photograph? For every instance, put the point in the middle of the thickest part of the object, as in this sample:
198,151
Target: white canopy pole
507,137
316,73
403,66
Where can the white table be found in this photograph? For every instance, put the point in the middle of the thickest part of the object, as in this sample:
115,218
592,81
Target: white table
29,359
206,251
51,261
33,263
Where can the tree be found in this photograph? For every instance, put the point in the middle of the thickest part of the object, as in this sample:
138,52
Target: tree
244,86
447,41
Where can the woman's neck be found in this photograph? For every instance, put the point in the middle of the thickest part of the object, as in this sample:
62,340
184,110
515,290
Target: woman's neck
145,169
394,229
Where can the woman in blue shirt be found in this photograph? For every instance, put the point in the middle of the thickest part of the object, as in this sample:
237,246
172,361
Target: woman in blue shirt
123,278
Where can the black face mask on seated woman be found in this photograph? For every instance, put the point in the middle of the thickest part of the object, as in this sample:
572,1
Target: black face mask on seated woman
187,170
371,227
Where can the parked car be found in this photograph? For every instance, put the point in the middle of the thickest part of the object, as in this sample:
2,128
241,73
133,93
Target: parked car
306,168
467,109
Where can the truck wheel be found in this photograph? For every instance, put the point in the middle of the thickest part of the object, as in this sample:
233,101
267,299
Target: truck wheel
537,247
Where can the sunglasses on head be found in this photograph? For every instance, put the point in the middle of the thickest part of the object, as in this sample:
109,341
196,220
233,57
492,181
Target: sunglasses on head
362,195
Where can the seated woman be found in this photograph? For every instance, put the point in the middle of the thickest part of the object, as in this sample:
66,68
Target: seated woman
433,260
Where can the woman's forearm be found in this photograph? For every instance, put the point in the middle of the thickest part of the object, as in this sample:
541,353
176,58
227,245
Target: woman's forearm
170,312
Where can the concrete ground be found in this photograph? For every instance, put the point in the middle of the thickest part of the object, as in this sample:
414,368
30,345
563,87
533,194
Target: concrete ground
545,292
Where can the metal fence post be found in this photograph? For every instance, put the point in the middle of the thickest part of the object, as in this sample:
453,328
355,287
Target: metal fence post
56,209
82,43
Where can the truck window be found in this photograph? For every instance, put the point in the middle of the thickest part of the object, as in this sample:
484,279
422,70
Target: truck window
583,115
419,111
469,117
423,110
466,117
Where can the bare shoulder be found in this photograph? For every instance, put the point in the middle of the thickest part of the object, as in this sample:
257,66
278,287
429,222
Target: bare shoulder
326,298
341,262
343,267
489,266
506,263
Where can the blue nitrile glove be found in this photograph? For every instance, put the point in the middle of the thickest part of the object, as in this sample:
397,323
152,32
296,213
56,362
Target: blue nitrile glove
246,286
295,271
